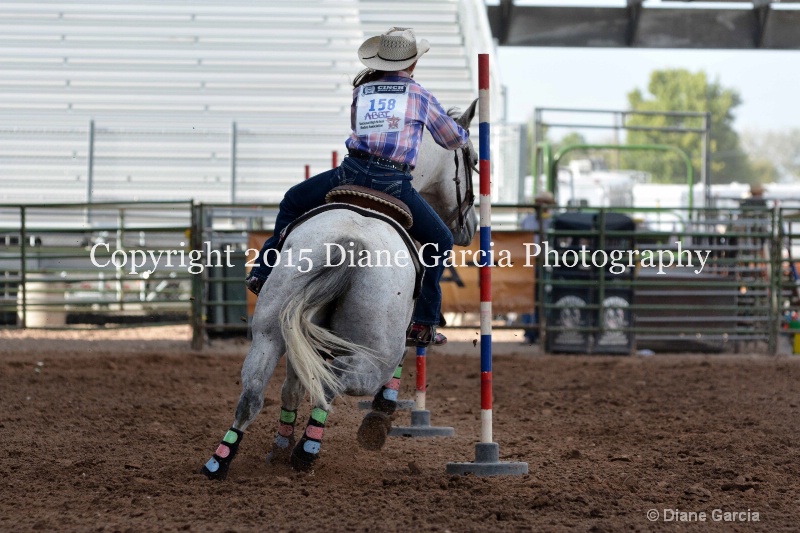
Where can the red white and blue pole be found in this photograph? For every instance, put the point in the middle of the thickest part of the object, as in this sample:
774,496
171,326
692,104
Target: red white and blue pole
422,379
486,246
487,453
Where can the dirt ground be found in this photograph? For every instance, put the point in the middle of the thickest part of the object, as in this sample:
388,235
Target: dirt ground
104,431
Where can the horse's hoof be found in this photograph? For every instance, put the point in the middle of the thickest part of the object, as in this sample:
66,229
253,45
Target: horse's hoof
215,472
217,467
383,405
280,455
373,431
302,460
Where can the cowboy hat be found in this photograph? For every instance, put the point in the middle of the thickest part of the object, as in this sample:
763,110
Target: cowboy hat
544,198
397,49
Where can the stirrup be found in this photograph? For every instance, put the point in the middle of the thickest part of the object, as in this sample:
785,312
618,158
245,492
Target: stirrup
423,335
253,283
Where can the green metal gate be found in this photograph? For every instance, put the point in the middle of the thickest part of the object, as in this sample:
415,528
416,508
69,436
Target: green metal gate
725,299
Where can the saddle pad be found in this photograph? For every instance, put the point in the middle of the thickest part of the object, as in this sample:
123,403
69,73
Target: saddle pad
412,248
372,199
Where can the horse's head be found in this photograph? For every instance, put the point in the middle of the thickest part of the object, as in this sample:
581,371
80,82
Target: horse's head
444,179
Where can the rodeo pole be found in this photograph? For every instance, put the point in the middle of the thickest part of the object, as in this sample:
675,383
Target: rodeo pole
487,453
420,415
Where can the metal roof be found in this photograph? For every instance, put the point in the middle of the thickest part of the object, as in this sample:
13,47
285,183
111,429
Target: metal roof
669,24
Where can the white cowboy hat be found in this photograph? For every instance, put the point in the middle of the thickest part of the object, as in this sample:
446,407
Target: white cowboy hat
544,198
390,52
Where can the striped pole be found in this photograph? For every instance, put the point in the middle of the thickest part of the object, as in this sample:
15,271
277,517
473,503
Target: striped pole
422,378
420,416
486,246
487,453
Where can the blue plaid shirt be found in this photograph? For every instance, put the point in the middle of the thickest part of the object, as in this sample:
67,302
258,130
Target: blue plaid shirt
403,146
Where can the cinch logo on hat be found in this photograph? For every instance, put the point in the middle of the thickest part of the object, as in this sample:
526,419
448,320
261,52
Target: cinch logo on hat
397,49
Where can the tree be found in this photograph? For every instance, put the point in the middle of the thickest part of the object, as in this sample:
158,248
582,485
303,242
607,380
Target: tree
599,157
570,138
776,152
681,90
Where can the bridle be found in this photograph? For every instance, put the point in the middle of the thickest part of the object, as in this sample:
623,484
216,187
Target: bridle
462,204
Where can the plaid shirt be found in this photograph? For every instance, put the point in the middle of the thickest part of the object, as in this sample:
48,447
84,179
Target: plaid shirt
403,146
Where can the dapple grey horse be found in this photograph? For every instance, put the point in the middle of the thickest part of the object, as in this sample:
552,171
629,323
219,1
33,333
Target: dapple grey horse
342,328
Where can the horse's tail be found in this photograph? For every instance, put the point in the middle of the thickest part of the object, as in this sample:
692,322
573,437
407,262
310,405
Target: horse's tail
306,342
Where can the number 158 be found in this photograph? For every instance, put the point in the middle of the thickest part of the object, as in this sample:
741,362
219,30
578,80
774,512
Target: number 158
383,104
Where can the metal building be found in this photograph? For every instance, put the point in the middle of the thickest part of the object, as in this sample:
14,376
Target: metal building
216,102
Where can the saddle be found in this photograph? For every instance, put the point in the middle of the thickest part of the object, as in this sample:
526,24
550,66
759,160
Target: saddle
381,202
390,210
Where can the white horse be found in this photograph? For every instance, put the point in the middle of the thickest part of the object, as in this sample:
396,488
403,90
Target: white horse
343,328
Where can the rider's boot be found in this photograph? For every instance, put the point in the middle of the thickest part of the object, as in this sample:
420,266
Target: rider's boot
424,335
254,283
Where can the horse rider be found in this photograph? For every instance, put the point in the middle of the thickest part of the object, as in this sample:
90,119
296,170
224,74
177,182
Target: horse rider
388,114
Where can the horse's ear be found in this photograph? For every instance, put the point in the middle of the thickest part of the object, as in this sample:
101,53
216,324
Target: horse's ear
466,118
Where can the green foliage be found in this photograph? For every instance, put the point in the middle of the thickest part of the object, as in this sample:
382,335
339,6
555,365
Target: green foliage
775,154
764,171
569,139
684,91
602,155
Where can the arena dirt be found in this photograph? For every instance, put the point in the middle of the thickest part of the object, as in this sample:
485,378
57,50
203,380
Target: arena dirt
104,431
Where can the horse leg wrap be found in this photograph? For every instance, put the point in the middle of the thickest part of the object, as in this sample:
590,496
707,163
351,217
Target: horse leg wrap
284,440
306,451
386,399
217,467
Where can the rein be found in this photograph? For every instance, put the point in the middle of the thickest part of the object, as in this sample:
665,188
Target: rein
462,205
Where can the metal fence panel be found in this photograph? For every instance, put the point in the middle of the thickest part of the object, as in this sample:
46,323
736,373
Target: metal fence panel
69,264
718,302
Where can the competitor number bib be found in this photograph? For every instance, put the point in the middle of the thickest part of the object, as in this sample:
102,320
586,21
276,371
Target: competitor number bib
381,108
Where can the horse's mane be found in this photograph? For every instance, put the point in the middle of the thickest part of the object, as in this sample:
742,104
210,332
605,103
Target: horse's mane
454,112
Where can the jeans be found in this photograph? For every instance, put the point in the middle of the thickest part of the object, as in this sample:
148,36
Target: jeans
428,226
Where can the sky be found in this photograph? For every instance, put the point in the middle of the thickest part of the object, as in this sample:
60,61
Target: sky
768,81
